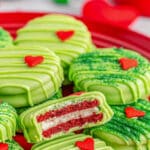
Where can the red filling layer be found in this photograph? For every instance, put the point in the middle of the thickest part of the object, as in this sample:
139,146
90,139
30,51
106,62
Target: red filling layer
72,123
68,109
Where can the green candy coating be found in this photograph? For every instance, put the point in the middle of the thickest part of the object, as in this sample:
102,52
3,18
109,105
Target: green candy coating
8,122
55,96
100,71
67,142
42,31
12,145
126,133
5,38
23,86
33,130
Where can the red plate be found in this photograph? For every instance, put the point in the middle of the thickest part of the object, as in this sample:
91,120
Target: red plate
103,36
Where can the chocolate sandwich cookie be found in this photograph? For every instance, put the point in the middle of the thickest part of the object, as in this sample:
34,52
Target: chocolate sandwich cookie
121,75
58,117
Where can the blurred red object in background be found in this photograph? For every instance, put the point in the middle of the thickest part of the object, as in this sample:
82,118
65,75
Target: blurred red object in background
22,141
143,6
101,11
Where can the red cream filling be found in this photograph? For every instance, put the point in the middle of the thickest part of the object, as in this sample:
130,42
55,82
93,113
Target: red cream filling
67,109
71,124
70,116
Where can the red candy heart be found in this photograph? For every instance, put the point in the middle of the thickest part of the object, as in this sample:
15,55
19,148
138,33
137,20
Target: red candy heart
87,144
65,35
127,63
101,11
3,146
131,112
33,61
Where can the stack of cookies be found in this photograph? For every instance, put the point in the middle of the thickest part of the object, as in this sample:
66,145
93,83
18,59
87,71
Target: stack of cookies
109,110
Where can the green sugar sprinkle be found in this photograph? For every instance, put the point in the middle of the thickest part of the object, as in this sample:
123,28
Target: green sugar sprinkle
128,128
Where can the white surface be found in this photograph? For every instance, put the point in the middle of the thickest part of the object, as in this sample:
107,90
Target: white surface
73,7
141,25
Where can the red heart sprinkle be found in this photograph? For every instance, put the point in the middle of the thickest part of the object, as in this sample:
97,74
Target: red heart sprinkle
33,61
65,35
131,112
127,63
3,146
87,144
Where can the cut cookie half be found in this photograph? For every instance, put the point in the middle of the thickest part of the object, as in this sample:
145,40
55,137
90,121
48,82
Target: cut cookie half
55,118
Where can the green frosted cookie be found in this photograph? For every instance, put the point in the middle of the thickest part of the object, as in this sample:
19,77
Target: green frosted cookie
121,75
28,75
5,38
72,142
10,145
58,117
129,129
65,35
8,122
55,96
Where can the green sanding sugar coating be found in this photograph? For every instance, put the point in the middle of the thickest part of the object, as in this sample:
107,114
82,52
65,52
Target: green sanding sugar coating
12,145
67,142
8,121
24,86
100,70
5,38
122,132
42,31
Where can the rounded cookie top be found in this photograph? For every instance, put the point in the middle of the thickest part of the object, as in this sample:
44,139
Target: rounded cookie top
30,75
5,38
65,35
121,75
